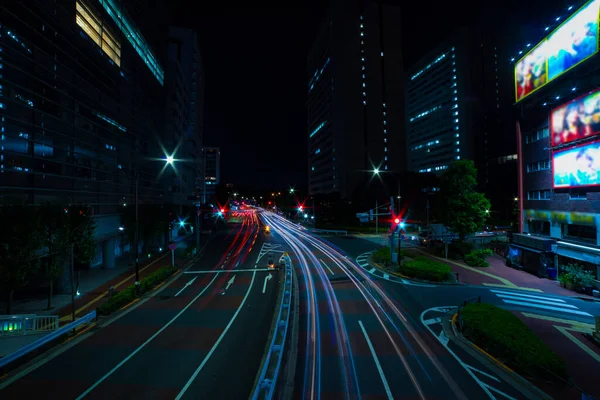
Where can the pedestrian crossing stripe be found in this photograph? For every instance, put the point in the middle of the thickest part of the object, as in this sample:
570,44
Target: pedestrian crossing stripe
547,303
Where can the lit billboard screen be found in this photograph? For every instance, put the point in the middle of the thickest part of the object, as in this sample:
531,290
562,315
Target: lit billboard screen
577,119
577,166
568,45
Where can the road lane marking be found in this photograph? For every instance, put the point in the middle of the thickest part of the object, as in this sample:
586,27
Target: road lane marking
231,270
186,286
443,338
165,326
386,277
377,364
432,321
577,342
543,307
534,301
327,266
484,373
372,270
267,279
502,292
573,323
212,350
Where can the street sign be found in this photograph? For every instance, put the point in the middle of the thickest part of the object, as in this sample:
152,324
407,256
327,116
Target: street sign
172,246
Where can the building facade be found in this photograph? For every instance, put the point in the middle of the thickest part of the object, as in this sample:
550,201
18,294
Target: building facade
183,133
212,172
559,156
81,100
355,101
456,109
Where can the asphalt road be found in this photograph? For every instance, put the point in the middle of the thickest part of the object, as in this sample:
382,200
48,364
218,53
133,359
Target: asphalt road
203,336
428,296
358,340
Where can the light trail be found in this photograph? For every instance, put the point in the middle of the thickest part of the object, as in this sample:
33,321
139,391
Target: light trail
350,269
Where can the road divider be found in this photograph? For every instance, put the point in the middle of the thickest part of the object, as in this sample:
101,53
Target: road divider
268,377
45,340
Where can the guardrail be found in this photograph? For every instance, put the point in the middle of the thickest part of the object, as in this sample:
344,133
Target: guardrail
334,231
27,324
265,387
4,361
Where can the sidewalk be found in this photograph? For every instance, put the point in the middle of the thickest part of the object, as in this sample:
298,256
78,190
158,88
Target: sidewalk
500,275
95,283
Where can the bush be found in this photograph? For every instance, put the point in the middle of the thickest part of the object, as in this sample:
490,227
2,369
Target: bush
426,269
128,295
477,258
505,336
382,255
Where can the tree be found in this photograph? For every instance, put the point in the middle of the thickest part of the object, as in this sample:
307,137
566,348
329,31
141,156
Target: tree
20,240
463,209
54,227
81,234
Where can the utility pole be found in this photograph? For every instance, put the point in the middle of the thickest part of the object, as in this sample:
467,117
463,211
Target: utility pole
314,212
428,227
72,266
136,236
376,218
198,228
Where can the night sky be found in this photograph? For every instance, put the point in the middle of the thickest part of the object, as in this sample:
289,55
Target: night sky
255,69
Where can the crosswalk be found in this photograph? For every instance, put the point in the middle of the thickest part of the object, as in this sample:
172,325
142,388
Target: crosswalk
546,303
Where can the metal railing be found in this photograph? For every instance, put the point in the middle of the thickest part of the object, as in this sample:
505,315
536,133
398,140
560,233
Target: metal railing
265,387
27,324
4,361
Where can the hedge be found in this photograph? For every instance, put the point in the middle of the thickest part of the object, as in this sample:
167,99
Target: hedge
425,268
128,294
382,255
478,258
505,336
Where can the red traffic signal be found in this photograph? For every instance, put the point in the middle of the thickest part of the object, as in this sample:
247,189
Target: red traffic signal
222,210
397,221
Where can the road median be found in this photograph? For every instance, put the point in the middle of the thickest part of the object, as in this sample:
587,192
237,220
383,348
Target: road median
501,337
413,267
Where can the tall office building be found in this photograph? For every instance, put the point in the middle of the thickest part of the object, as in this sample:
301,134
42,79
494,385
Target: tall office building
458,107
81,101
212,172
355,96
183,133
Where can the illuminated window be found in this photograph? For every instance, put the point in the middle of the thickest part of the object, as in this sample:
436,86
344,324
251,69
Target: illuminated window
93,26
134,37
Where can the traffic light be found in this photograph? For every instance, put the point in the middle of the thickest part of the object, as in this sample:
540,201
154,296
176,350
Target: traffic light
397,221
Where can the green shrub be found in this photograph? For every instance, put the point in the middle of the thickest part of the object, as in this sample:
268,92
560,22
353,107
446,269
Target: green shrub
456,250
128,294
505,336
426,269
478,258
117,301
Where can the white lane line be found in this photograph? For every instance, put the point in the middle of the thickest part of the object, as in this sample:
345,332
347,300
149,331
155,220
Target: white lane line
527,295
533,301
372,270
484,373
327,266
501,393
186,286
230,270
565,310
386,276
377,364
165,326
443,338
212,350
432,321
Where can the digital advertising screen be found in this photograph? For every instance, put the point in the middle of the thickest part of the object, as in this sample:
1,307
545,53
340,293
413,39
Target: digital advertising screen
577,166
571,43
576,119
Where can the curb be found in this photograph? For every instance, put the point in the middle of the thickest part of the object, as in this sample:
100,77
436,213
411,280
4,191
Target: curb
511,377
415,280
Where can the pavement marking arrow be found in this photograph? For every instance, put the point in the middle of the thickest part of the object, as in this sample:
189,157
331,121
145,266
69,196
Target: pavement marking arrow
230,282
267,279
186,286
